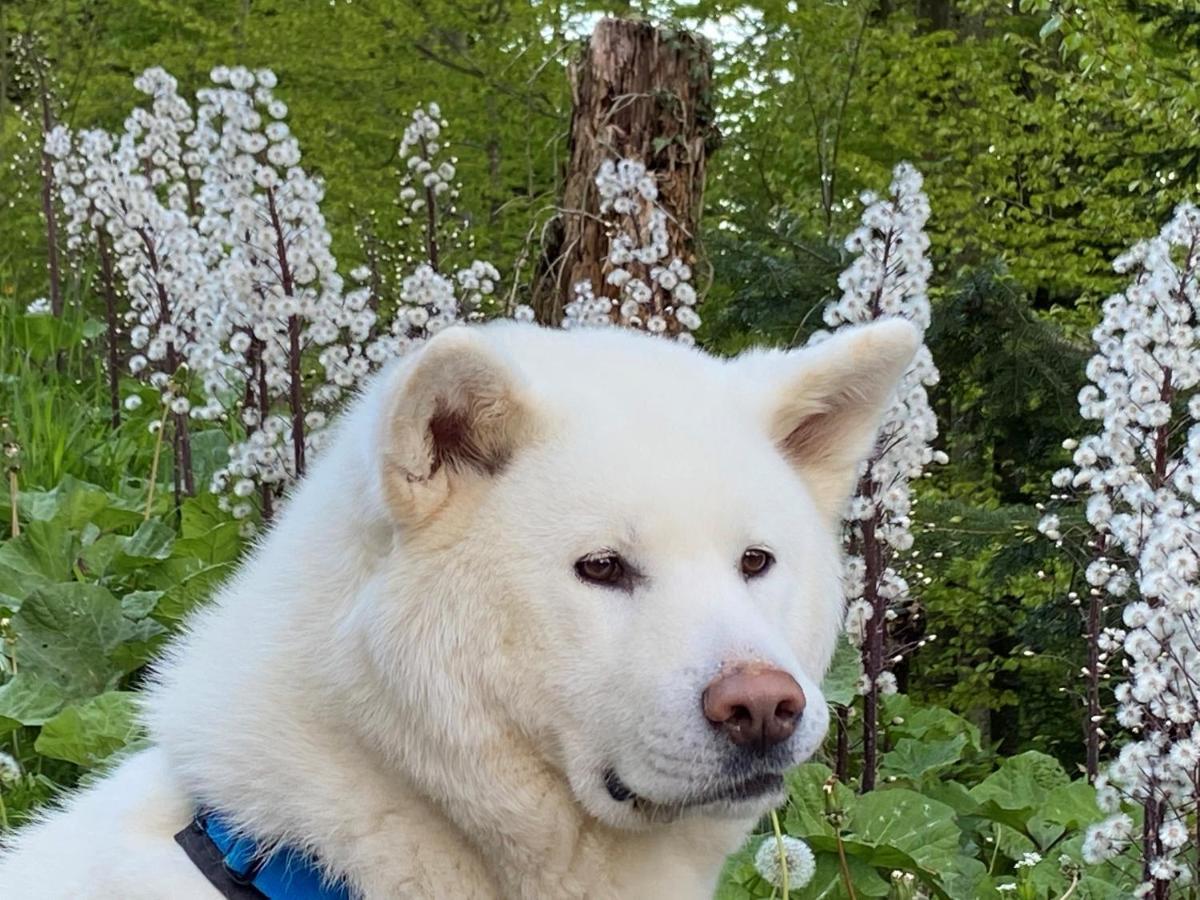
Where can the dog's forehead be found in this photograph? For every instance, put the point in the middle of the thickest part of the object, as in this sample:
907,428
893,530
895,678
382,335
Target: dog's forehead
614,363
645,428
616,380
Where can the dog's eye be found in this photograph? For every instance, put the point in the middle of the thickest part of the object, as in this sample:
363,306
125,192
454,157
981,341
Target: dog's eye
756,561
606,569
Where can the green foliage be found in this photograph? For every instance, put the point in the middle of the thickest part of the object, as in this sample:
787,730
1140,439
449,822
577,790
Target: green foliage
958,821
351,74
89,590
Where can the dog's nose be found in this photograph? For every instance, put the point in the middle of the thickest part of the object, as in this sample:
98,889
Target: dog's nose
754,705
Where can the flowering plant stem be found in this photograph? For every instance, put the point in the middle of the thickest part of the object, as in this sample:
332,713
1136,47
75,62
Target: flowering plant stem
158,442
49,212
111,322
13,485
847,881
295,378
781,850
888,278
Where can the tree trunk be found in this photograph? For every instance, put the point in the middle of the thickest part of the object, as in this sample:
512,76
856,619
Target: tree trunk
641,93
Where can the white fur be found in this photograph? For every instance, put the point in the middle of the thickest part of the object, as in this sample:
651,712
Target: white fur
408,678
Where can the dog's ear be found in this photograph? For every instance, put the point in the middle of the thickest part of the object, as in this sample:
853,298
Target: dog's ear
459,414
829,399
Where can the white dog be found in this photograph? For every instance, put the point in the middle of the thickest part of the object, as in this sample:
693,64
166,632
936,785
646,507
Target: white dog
546,620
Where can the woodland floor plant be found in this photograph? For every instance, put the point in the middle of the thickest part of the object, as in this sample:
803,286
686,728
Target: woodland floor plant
888,277
1139,477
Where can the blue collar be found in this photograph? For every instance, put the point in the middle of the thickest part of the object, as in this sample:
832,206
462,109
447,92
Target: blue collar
237,868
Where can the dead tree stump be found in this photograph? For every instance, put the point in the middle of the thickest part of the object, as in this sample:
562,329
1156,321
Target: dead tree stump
641,93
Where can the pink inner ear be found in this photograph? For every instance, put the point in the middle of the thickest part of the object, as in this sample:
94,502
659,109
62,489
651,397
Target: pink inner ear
809,440
461,443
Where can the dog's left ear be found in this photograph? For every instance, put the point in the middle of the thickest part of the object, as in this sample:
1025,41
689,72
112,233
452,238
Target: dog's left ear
458,416
830,397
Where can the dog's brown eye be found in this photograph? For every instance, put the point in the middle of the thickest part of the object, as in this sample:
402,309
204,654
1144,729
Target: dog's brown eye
607,569
755,562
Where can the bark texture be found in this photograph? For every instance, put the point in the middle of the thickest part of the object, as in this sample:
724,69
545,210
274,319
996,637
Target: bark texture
643,93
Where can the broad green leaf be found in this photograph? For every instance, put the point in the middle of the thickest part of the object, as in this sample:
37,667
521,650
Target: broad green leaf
152,541
1067,807
76,503
42,555
66,634
96,558
139,643
915,759
27,699
1013,842
904,718
841,681
89,732
883,857
201,514
1022,782
966,877
805,812
741,881
139,604
954,794
220,544
910,822
72,502
829,882
1072,805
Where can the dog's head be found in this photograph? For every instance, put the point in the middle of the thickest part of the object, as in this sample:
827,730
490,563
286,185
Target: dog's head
643,543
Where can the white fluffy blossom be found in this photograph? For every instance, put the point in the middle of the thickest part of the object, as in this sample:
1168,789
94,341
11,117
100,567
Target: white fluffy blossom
10,769
1140,472
797,856
223,253
131,193
646,283
427,285
888,277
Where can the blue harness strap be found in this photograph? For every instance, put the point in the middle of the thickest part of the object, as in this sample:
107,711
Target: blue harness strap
238,869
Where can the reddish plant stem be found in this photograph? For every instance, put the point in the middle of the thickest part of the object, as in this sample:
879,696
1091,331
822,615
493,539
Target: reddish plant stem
431,242
1154,806
259,375
1151,844
1091,725
1162,433
873,640
875,629
295,383
842,759
181,441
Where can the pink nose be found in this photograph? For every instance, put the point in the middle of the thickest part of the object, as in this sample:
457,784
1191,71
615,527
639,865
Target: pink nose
754,704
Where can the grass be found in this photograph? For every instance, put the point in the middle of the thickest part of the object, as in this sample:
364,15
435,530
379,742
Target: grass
54,402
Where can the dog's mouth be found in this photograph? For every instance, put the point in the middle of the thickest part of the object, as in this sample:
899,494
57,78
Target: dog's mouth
728,791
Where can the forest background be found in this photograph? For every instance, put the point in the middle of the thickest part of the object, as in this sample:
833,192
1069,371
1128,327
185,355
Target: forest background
1050,139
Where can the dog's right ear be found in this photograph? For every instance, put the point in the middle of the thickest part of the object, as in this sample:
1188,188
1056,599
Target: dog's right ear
458,416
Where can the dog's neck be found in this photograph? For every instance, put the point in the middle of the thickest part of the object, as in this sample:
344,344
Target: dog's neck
268,713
